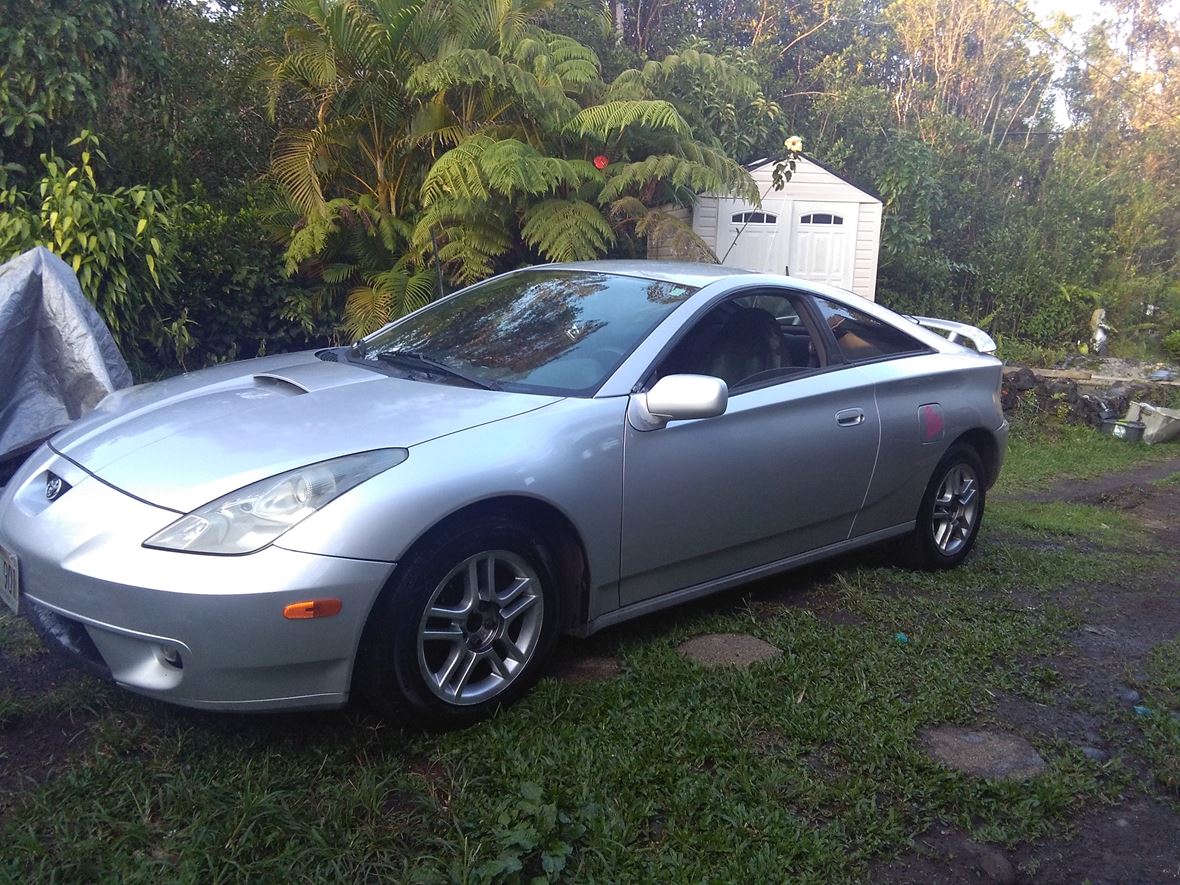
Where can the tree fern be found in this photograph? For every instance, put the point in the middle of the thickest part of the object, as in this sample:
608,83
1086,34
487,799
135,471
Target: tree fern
463,130
605,120
674,234
567,230
477,68
691,176
386,295
468,236
457,173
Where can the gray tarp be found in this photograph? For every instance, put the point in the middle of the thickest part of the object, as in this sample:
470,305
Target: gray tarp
57,358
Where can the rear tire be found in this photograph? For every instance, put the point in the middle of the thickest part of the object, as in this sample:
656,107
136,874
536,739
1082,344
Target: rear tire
950,513
465,626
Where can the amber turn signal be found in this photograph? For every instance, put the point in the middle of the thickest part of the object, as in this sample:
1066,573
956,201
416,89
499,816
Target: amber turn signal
312,608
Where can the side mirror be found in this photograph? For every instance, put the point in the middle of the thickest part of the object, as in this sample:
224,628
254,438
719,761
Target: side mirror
678,398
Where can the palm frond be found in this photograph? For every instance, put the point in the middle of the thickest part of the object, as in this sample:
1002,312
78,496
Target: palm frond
297,160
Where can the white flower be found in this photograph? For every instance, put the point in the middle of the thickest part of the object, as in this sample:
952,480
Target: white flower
794,144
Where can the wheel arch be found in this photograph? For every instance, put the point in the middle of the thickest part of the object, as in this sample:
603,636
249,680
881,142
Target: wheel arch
985,445
557,533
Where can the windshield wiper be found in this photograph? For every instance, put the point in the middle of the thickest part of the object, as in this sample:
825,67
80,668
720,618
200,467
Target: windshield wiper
419,360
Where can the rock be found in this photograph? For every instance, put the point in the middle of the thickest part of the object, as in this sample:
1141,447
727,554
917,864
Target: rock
728,650
994,865
1093,410
1095,754
1128,695
983,753
1020,378
1063,388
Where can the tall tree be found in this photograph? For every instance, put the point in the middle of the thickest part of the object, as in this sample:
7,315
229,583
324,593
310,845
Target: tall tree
463,132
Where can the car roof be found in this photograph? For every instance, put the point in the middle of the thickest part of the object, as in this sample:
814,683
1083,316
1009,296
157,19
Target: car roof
686,273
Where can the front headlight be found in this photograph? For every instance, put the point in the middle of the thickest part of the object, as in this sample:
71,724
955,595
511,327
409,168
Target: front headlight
252,517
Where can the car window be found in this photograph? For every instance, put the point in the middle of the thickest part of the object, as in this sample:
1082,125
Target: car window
747,341
861,337
544,331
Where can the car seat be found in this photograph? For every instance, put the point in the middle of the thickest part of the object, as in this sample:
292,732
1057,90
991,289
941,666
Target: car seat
749,343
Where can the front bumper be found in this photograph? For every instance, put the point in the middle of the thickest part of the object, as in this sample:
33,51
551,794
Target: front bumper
200,631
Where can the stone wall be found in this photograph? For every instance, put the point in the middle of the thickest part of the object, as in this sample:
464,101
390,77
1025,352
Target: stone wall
1078,397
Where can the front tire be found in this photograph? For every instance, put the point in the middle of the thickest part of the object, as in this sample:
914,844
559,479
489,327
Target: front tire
950,513
465,627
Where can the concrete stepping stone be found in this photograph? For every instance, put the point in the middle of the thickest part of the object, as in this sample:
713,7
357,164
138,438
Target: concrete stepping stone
985,754
728,650
588,668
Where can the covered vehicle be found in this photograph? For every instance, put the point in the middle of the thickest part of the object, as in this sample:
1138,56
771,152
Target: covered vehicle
57,358
418,517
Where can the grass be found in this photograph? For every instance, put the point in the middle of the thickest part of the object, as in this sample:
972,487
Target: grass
806,768
1038,456
17,639
1171,480
1161,722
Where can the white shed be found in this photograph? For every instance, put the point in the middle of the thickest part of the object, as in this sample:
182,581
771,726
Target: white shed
819,227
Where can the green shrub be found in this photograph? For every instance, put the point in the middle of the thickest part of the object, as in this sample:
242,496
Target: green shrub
233,293
1172,344
120,243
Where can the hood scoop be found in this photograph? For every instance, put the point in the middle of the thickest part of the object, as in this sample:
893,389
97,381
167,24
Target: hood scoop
312,377
286,385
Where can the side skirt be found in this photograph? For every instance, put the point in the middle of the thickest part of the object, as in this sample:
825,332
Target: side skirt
697,591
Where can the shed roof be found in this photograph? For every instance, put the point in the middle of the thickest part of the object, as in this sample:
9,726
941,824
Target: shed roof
761,170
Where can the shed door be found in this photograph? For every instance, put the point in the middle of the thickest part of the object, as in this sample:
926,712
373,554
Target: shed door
823,243
754,238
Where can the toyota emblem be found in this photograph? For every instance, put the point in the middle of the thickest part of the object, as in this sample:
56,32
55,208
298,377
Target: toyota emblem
54,486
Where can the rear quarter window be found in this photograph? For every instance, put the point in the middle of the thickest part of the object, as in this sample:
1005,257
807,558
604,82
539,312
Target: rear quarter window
861,338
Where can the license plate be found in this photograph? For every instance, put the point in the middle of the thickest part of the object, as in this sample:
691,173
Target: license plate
9,580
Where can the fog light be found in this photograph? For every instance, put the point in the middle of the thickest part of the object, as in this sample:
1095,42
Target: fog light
170,657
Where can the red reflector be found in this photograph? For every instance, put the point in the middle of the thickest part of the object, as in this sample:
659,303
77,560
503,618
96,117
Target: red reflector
313,608
930,420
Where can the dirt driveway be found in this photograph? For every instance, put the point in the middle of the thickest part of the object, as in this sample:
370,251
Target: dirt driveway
1098,705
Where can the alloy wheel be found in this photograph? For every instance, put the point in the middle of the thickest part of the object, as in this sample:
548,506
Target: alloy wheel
481,627
956,509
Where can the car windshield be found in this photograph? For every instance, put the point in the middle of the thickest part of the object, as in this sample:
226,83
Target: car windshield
541,331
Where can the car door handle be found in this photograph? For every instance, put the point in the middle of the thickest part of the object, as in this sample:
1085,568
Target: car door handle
850,417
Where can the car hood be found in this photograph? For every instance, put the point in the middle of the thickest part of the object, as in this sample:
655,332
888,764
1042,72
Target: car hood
183,442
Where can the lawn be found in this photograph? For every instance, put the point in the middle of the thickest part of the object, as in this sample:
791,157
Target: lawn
808,767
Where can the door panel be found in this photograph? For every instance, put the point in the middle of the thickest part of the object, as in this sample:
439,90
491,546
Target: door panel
776,475
908,461
823,242
757,245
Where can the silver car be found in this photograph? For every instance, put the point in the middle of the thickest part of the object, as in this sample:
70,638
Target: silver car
420,516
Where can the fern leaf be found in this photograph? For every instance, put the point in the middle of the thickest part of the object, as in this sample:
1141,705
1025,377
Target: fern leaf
567,230
604,120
